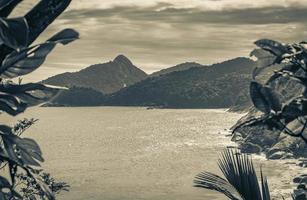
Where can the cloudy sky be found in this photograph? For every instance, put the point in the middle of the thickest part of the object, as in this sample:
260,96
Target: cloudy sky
156,34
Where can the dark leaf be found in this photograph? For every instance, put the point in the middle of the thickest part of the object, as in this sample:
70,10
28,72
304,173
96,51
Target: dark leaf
272,46
241,179
38,19
290,67
265,187
13,171
43,14
22,150
11,105
300,79
4,183
65,36
7,6
4,3
34,94
295,108
265,98
213,182
272,97
240,173
258,99
4,129
27,60
14,99
14,33
264,58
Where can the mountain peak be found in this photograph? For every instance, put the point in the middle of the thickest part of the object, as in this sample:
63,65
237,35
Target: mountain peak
106,78
122,59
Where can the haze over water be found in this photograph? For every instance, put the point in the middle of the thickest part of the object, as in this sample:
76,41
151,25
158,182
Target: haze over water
136,154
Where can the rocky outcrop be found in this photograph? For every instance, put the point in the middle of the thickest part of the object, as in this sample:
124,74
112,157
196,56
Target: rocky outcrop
275,144
301,191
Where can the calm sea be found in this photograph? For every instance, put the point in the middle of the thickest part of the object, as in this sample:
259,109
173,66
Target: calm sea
116,153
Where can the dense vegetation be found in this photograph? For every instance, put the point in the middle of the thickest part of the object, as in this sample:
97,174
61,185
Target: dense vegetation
188,85
279,110
22,156
215,86
78,96
282,112
277,125
180,67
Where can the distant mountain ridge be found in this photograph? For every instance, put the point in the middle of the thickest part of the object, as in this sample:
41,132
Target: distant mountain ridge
218,86
107,78
180,67
188,85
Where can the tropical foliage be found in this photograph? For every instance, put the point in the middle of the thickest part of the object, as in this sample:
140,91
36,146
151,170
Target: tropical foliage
240,182
280,112
22,156
286,65
29,189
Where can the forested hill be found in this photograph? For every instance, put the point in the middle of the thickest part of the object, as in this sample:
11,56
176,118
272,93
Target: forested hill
180,67
106,78
189,85
218,86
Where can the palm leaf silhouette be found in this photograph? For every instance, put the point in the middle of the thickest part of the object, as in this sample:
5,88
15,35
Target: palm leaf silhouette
241,181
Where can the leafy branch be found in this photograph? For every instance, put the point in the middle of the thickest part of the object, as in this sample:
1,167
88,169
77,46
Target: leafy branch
277,113
22,156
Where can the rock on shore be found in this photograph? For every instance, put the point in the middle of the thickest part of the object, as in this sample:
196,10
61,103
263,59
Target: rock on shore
274,144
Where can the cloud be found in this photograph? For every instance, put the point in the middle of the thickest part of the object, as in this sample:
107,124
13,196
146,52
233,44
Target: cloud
208,5
156,34
156,38
194,15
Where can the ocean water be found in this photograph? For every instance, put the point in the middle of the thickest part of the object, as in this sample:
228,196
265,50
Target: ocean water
115,153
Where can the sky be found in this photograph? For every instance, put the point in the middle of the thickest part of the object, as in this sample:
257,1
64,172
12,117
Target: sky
156,34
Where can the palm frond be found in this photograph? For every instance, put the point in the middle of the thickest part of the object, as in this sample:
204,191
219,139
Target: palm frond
241,179
265,187
239,171
211,181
